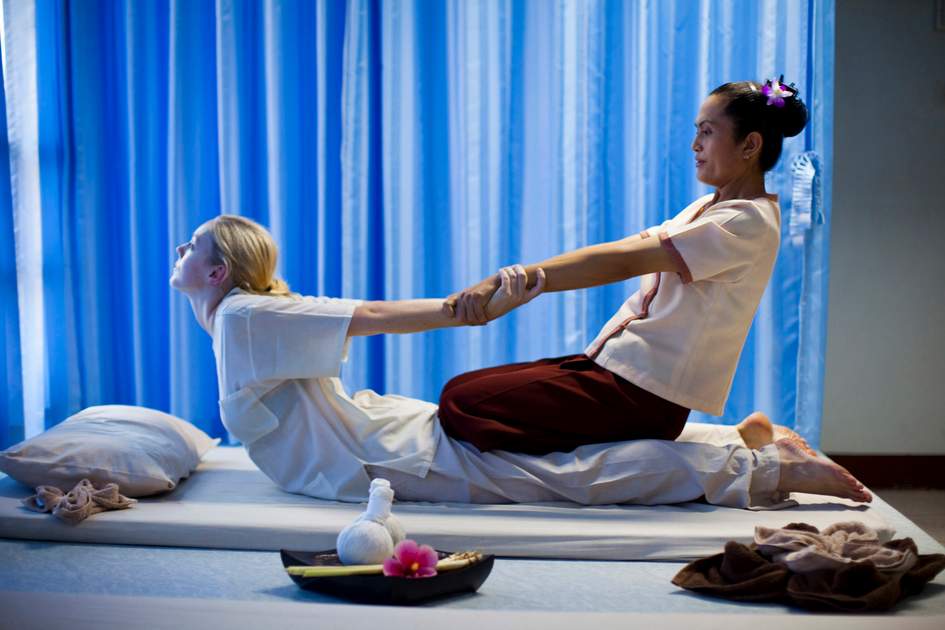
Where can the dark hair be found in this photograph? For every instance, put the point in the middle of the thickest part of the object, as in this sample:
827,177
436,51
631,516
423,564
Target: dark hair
748,109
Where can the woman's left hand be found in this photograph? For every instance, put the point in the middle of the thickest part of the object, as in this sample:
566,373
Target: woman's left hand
512,292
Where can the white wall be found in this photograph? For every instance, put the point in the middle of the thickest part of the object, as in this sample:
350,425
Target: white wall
885,366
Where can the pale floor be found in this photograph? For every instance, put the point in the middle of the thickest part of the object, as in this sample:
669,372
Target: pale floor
925,508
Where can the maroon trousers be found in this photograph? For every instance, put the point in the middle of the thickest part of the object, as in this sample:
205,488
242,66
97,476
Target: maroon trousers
553,405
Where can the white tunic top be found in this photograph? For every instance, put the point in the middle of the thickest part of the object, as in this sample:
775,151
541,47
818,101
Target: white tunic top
680,335
278,362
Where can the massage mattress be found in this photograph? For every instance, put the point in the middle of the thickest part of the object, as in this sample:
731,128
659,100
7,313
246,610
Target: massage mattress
227,503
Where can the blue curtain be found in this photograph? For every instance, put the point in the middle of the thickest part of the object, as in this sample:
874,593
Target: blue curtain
11,409
397,149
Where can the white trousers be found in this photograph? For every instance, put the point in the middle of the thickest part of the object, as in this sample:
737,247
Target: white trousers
706,460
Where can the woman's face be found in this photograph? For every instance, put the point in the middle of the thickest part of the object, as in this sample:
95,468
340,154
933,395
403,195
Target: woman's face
193,270
719,158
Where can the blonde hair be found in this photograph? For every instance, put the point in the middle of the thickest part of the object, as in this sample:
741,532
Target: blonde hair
249,253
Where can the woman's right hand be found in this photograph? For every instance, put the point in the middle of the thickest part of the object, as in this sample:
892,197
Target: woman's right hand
512,291
469,305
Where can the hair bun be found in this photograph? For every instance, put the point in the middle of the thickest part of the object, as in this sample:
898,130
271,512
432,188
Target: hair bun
792,118
770,108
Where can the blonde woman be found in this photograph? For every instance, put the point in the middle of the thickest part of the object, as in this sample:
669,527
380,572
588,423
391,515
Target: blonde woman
278,358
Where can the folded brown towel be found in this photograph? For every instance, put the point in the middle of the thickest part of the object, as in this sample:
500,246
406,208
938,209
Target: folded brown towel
740,574
744,573
840,544
79,503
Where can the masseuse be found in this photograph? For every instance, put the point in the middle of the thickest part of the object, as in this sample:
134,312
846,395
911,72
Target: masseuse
674,344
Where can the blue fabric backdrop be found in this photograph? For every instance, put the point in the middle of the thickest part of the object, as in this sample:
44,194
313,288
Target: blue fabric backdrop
398,149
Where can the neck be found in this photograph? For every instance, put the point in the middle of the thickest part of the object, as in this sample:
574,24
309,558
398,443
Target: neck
204,304
748,186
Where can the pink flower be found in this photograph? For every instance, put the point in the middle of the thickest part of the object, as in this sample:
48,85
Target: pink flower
411,560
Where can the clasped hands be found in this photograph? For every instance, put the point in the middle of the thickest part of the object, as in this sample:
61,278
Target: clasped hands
494,296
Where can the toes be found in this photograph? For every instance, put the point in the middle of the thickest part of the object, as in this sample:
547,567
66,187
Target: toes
784,432
804,446
862,495
858,491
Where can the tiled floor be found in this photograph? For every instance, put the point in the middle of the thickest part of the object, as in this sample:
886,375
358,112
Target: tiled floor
925,508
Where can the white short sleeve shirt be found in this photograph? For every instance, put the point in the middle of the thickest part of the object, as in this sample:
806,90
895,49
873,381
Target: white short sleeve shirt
278,361
680,335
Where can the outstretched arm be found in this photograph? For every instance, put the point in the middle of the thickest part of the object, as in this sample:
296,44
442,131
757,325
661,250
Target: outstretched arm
582,268
400,316
605,263
408,316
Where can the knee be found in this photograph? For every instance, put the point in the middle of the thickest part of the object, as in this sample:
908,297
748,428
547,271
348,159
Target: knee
455,399
675,424
452,384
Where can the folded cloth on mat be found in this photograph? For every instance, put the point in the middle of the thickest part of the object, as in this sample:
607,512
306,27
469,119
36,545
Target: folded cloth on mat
750,573
79,503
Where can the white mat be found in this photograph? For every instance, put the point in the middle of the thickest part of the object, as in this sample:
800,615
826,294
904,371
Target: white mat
229,504
25,611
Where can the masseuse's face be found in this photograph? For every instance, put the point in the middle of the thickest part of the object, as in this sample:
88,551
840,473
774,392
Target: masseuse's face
193,270
719,159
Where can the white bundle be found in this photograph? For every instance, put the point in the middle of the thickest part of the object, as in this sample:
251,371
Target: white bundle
370,539
392,523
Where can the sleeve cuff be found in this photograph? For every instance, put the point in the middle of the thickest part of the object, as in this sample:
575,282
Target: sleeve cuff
763,486
245,416
667,243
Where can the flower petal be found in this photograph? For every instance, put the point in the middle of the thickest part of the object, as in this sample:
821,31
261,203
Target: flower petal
406,552
427,556
426,572
393,568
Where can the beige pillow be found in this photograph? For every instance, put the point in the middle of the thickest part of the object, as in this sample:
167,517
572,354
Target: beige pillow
143,450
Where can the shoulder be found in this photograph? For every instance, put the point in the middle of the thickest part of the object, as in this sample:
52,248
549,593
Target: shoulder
747,217
242,304
693,208
239,303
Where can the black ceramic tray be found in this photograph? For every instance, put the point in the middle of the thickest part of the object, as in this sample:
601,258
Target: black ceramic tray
380,589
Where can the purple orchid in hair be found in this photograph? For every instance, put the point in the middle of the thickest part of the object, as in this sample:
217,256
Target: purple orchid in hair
776,92
411,560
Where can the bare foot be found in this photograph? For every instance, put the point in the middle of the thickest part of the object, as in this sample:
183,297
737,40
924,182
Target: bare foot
757,431
782,432
802,473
